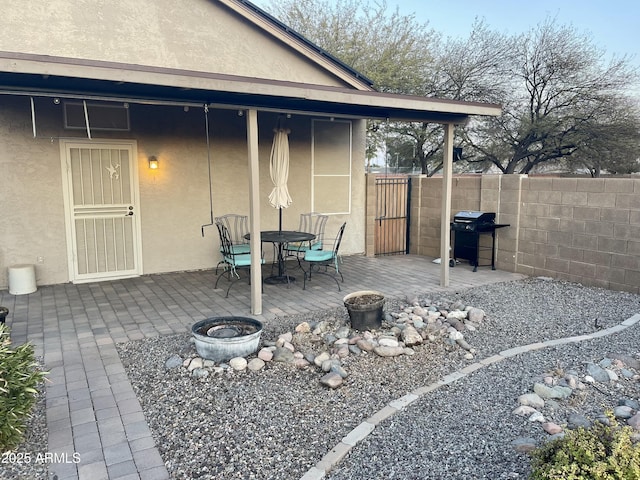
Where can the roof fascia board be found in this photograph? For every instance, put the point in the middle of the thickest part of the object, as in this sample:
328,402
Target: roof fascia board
295,43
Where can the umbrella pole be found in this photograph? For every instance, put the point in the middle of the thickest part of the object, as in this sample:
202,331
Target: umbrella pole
280,220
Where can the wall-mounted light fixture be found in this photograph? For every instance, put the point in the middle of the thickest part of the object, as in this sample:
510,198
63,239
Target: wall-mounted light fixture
153,163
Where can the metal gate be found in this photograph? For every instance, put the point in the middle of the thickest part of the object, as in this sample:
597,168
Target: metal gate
392,215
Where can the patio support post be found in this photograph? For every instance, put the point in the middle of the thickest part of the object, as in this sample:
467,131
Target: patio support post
445,231
254,212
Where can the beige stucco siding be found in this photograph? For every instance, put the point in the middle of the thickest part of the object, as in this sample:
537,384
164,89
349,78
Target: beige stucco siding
174,200
199,35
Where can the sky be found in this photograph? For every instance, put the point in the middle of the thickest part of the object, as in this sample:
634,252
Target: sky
613,25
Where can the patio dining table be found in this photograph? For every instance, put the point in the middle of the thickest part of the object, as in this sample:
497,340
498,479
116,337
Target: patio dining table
279,238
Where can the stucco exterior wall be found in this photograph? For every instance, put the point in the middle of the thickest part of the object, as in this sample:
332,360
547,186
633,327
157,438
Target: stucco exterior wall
575,229
174,200
199,35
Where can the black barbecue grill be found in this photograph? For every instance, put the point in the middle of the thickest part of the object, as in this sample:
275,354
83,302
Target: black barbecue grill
467,226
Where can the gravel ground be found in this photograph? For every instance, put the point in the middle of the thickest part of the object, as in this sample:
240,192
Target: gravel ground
279,422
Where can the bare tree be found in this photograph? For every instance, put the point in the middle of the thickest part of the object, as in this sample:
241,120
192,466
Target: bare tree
558,88
560,99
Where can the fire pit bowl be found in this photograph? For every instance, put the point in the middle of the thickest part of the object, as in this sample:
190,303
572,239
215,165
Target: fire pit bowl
223,338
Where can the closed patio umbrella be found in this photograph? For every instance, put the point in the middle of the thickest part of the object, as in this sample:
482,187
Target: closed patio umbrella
279,169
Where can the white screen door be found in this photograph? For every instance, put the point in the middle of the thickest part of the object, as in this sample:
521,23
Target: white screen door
103,224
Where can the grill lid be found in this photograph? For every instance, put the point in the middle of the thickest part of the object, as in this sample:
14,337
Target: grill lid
470,216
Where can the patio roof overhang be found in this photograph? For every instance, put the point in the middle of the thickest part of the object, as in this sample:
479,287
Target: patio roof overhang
42,75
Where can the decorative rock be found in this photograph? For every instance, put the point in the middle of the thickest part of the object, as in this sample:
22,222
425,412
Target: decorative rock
301,363
524,411
598,373
337,368
208,363
463,344
576,420
475,315
365,345
283,355
238,363
256,364
331,380
468,356
388,342
634,422
174,361
536,417
265,354
551,428
386,351
411,337
634,404
355,349
287,337
623,411
343,352
329,339
319,360
200,373
196,362
612,375
628,360
343,332
626,373
531,399
552,392
303,327
408,351
455,335
456,323
524,445
289,346
326,365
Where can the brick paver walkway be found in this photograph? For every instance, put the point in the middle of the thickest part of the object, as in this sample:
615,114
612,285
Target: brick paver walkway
91,407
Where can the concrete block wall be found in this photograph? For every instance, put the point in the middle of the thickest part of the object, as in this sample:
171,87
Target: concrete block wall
575,229
582,230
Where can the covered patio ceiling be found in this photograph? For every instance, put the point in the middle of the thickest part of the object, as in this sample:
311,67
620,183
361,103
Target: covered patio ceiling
47,76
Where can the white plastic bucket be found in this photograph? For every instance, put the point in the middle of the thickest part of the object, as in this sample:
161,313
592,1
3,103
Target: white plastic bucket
22,279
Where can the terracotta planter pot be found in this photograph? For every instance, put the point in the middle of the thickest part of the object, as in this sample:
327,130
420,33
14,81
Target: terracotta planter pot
365,309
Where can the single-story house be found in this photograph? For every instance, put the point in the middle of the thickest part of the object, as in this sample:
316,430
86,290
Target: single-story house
92,91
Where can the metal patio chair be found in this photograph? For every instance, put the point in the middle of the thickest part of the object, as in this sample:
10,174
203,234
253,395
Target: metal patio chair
238,227
320,261
311,223
233,260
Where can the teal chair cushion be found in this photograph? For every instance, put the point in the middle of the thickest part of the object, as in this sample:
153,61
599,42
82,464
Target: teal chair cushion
239,249
318,255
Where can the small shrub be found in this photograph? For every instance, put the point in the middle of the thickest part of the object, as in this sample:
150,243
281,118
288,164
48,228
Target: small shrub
601,452
19,377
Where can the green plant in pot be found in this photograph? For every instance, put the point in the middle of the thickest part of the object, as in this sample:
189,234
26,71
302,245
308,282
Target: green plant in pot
365,309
